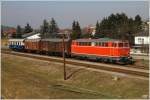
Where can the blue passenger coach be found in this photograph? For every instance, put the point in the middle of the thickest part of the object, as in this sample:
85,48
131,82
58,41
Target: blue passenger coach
16,44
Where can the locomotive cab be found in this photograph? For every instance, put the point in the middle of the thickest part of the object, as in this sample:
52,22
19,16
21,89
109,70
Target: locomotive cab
122,51
120,48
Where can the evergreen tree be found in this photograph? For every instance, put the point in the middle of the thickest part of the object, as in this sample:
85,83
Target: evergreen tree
28,28
76,30
19,31
73,26
53,28
44,28
138,23
97,29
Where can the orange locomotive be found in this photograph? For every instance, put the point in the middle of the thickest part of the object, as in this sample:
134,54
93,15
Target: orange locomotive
103,49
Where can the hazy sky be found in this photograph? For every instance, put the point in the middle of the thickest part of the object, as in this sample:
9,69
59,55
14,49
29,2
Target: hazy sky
21,12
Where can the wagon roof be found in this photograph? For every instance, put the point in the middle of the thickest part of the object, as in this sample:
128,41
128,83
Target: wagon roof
55,40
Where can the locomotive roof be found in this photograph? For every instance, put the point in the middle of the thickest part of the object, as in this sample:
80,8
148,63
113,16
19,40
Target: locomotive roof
96,40
54,40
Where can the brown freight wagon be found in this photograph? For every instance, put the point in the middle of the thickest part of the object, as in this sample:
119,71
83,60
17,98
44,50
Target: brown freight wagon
32,45
55,46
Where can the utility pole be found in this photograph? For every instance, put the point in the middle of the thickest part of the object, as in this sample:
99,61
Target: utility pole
64,62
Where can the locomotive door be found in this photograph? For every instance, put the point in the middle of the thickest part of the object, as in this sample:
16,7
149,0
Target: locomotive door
112,49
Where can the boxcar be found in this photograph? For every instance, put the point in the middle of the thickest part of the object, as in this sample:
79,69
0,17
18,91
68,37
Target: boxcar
32,44
55,46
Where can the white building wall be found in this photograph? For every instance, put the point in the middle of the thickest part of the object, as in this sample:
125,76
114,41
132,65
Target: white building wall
142,40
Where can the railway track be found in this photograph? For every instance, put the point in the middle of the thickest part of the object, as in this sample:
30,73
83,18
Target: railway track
130,66
107,67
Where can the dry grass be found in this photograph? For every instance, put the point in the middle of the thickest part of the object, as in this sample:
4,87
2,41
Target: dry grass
24,78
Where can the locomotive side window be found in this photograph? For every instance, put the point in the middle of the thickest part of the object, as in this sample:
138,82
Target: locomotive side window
97,43
89,43
120,44
85,43
126,45
102,44
106,44
114,44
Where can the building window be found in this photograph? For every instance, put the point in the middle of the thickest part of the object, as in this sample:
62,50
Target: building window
141,40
